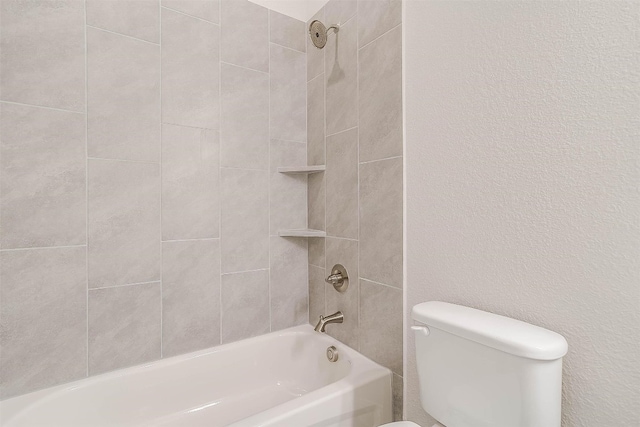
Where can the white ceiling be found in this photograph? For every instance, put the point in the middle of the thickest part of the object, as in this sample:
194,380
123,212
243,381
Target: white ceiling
302,10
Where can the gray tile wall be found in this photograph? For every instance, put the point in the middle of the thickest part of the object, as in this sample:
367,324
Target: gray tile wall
139,196
354,108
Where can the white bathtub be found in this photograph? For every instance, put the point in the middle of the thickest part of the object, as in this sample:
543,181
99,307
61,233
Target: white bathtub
280,379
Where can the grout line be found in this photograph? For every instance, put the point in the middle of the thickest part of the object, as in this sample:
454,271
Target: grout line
306,156
342,131
380,36
319,75
161,185
203,239
190,16
245,68
317,266
86,168
124,160
342,24
358,167
380,284
42,106
306,73
341,238
380,160
123,285
219,207
405,339
326,157
269,175
287,140
245,169
43,247
188,126
286,47
123,35
244,271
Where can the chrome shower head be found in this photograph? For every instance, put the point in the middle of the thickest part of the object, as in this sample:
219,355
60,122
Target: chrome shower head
318,33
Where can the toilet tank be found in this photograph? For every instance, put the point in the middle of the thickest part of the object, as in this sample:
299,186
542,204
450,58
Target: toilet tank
478,369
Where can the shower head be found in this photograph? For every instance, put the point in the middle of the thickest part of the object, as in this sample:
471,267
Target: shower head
318,33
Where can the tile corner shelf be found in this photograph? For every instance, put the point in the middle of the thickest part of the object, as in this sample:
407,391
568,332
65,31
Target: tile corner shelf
305,232
301,170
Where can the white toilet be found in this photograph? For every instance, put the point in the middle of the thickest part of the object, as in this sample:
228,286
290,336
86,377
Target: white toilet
478,369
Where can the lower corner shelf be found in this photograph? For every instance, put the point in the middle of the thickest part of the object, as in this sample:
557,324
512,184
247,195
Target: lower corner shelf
301,170
305,232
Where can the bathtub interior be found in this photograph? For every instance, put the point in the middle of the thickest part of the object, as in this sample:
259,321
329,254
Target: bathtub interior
222,385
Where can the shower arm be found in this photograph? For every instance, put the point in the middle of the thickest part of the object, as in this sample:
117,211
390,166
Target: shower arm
335,28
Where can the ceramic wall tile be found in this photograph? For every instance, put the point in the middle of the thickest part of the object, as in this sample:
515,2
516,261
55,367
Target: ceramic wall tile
376,17
245,305
381,221
398,397
287,31
244,41
208,10
124,223
42,177
288,281
245,118
190,71
341,79
42,53
245,220
316,201
190,183
342,184
288,94
380,97
316,293
316,252
315,121
190,296
379,302
43,318
340,11
124,326
123,97
135,18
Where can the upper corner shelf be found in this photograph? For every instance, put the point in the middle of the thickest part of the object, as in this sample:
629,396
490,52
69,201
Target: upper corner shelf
301,170
305,232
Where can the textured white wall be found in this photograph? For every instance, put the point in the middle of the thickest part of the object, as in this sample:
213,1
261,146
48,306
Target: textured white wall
522,140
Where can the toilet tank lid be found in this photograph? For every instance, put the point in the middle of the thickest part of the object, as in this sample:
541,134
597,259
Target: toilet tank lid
499,332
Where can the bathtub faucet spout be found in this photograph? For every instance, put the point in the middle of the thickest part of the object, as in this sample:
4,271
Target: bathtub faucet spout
336,317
